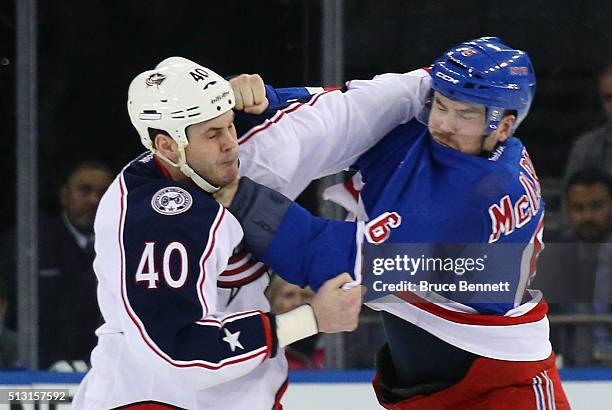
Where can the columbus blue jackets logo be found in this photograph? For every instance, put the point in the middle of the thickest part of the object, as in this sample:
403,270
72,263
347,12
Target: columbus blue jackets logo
155,79
171,201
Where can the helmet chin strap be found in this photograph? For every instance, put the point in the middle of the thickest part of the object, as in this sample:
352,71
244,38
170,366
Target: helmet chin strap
187,170
190,173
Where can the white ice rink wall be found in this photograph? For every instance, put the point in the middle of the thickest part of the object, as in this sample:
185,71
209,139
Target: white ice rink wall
587,389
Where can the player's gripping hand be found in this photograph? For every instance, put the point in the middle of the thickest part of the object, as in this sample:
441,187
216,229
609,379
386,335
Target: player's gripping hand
337,310
250,93
226,194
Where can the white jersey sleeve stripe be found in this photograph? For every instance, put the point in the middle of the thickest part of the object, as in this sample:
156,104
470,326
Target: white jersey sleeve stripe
206,255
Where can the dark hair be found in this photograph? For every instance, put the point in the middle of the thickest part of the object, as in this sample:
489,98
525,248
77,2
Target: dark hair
588,176
510,112
87,163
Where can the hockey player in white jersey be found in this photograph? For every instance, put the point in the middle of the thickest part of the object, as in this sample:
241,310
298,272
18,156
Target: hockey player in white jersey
173,335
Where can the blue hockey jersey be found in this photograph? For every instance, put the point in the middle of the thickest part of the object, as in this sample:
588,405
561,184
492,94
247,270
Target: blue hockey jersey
418,191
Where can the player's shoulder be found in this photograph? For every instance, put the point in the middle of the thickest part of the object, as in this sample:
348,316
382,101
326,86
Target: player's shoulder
164,210
516,162
168,199
152,197
504,165
512,181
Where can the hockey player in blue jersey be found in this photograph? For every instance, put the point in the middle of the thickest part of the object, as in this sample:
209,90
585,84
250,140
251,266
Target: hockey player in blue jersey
461,178
186,321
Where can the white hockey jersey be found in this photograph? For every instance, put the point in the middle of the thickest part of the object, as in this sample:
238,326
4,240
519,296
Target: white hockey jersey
185,314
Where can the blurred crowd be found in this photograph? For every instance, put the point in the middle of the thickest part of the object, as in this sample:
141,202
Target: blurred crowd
575,270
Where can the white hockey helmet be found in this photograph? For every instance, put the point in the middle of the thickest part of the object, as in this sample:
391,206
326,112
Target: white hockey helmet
173,96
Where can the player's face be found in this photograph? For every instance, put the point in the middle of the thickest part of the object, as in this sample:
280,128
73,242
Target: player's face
213,149
457,124
589,210
81,195
460,125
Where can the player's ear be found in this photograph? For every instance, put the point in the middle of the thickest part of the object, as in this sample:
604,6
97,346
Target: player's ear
504,129
166,146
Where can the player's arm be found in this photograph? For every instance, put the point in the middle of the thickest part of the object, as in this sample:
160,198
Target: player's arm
169,296
327,134
255,97
302,248
257,102
170,319
333,309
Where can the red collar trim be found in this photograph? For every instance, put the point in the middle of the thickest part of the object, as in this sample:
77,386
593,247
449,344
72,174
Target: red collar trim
162,167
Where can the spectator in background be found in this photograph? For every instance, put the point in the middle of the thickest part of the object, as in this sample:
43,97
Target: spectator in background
305,354
594,148
576,275
8,337
588,200
68,311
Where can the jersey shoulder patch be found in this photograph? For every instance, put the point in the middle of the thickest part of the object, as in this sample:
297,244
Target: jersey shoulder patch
159,203
171,200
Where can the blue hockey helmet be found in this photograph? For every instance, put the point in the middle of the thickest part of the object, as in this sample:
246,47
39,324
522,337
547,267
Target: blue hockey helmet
486,71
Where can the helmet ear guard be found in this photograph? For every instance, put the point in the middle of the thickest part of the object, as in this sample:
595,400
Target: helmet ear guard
173,96
488,72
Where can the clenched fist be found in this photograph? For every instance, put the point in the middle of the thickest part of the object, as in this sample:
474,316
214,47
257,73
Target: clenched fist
250,93
337,310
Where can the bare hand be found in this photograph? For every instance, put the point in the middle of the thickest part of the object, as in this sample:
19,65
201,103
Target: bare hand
250,93
337,310
226,194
